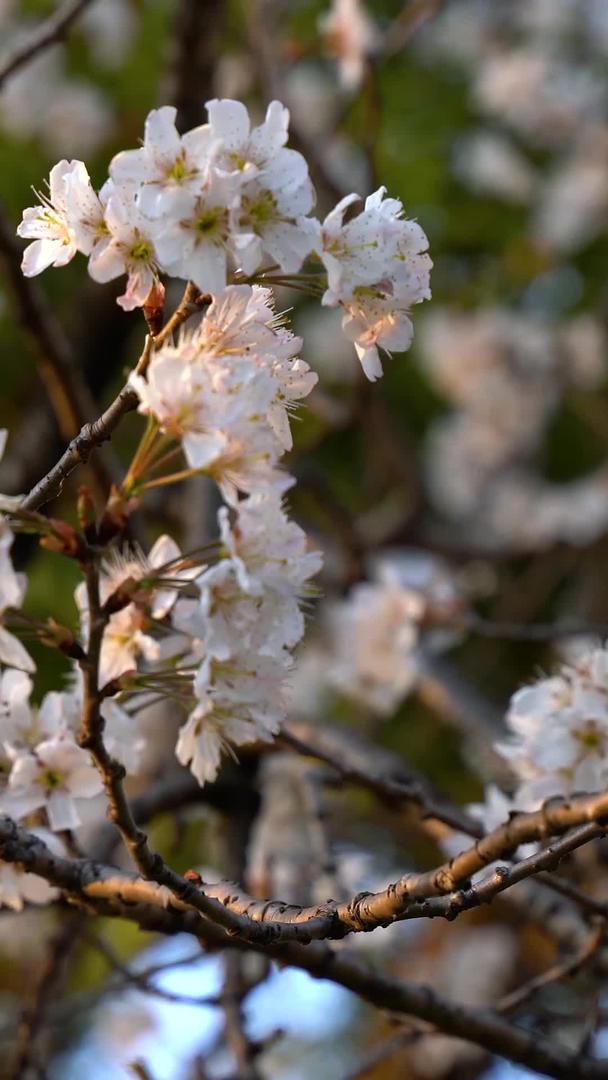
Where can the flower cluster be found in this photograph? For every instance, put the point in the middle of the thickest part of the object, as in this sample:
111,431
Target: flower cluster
375,632
223,392
557,745
46,768
224,198
505,373
242,626
377,268
559,732
226,388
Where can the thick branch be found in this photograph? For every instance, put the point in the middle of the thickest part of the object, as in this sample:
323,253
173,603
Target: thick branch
106,891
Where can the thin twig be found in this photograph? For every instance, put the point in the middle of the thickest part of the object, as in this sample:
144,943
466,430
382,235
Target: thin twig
67,390
33,1020
98,432
357,766
48,33
566,968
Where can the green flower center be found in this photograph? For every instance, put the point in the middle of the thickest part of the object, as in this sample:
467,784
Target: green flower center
141,251
51,779
178,170
262,209
209,221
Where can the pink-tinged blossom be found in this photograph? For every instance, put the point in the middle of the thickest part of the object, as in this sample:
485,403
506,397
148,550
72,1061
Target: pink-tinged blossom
220,413
160,573
242,319
350,36
129,250
126,636
58,777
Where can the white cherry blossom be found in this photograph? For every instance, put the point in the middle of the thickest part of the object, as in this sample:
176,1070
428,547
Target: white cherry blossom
208,733
48,225
58,776
377,268
70,219
167,161
200,238
559,732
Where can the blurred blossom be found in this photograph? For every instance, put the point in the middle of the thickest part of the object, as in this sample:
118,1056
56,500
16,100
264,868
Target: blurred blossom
490,163
234,75
506,373
69,116
529,513
537,96
573,202
312,99
349,35
110,30
461,32
474,967
374,633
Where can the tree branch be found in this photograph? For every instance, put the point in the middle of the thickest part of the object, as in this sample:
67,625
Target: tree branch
48,33
112,893
98,432
362,765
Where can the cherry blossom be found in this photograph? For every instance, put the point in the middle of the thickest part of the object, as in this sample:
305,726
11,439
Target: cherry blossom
71,219
377,268
572,707
58,776
129,250
15,710
167,162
